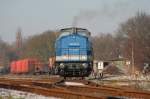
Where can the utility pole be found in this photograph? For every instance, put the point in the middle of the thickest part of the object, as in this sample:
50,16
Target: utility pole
132,54
1,61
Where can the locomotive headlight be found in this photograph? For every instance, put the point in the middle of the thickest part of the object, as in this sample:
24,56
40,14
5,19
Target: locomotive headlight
62,65
85,65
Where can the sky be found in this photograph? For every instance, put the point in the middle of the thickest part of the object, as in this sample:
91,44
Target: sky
37,16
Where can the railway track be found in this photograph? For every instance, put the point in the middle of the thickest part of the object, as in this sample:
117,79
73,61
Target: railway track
109,91
44,88
49,92
57,88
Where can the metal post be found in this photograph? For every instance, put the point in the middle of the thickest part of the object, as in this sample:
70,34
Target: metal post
132,57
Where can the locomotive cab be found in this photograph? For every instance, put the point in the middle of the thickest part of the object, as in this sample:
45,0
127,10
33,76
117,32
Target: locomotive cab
74,54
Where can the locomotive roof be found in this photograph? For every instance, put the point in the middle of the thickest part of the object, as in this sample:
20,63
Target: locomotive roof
69,31
71,28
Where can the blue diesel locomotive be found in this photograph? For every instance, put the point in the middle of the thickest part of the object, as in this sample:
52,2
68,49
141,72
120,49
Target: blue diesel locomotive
74,53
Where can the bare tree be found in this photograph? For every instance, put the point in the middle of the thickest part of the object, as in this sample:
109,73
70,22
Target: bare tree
40,46
105,47
136,34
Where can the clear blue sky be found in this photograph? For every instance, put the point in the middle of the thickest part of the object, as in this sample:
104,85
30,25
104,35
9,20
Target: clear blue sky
36,16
